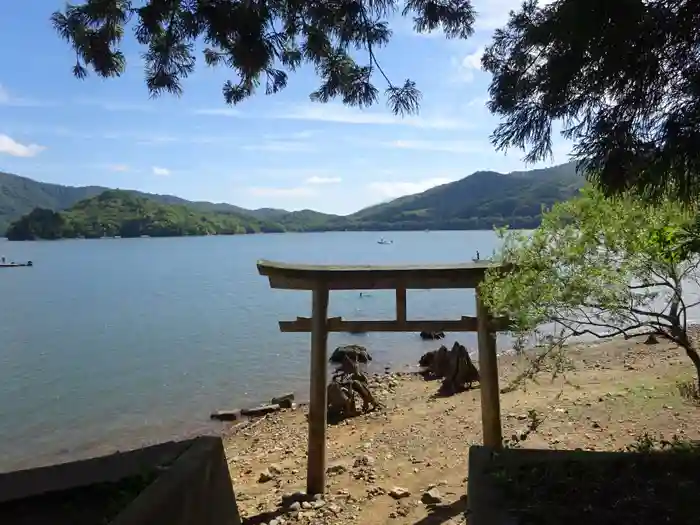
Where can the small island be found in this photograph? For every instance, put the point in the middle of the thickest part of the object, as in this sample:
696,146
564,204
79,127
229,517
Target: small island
118,213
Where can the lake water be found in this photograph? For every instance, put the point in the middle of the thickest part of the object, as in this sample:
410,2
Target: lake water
109,344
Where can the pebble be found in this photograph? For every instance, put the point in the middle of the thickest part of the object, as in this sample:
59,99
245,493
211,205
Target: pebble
265,476
296,506
363,461
431,497
336,469
399,493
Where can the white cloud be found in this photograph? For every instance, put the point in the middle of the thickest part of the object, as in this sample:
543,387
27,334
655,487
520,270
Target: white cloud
345,115
448,146
11,147
281,192
281,146
394,189
323,180
221,112
6,99
116,105
118,167
161,172
470,64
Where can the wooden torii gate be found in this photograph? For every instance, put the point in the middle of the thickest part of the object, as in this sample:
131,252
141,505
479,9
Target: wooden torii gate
320,280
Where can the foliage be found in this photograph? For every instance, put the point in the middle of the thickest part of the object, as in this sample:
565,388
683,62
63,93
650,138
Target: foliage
621,76
477,202
122,213
599,267
38,224
261,41
647,444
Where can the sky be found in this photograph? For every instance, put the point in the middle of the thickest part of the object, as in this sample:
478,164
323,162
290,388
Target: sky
279,151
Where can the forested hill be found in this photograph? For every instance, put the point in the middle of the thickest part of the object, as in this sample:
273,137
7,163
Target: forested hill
122,213
479,201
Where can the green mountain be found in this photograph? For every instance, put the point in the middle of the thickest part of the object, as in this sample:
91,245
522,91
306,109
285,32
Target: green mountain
125,214
20,195
479,201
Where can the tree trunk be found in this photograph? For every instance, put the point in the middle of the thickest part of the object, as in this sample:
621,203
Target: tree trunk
695,358
680,337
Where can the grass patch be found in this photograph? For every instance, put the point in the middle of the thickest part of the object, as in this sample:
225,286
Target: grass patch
657,483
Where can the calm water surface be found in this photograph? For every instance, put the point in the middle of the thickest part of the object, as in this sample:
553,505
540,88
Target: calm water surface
109,344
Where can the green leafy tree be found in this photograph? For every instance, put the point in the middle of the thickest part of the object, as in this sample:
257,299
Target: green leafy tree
600,267
40,223
260,40
621,76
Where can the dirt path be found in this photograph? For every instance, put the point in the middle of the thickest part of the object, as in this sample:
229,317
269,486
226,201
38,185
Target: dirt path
618,391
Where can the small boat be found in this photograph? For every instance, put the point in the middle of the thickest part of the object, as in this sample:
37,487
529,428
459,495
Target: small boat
384,241
16,265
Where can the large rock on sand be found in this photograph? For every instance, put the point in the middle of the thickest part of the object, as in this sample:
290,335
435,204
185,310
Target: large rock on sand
355,353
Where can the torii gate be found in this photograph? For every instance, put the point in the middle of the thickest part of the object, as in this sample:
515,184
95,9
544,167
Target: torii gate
322,279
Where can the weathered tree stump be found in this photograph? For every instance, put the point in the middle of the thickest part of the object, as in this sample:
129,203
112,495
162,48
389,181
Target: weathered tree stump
454,366
347,382
461,372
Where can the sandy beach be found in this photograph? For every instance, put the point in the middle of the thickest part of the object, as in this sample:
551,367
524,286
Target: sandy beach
407,464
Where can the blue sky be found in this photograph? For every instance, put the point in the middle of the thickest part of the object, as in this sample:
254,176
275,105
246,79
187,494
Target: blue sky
279,151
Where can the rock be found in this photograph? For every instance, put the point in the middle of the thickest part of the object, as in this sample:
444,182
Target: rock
284,401
429,336
355,353
363,461
274,469
226,415
305,505
318,504
651,340
260,410
294,507
338,468
266,476
399,493
297,496
431,497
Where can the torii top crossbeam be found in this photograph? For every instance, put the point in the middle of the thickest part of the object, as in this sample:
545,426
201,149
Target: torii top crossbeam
322,279
410,277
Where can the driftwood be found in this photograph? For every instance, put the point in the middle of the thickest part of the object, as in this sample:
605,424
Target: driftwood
454,367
